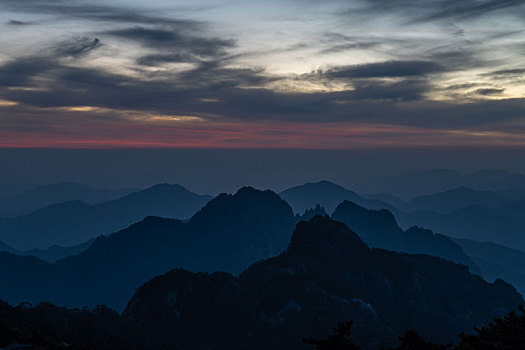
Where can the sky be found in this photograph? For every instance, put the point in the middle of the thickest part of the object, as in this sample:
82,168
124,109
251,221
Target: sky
287,74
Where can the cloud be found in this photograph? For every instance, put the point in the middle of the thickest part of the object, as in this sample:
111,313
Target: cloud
218,94
78,46
174,41
389,69
21,71
81,10
506,73
18,23
153,60
489,91
439,10
337,42
471,8
219,83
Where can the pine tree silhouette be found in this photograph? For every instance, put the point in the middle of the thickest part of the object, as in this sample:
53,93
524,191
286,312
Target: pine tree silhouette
503,333
411,340
338,340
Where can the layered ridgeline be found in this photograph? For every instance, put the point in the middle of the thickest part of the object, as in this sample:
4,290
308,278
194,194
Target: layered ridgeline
228,234
497,261
413,184
326,275
503,224
75,222
51,254
462,212
378,228
455,199
326,194
43,196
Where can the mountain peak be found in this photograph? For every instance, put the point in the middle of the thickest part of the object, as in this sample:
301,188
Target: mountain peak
166,187
249,190
325,193
354,212
321,230
246,199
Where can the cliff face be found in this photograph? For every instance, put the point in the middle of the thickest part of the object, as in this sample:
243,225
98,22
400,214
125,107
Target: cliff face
327,274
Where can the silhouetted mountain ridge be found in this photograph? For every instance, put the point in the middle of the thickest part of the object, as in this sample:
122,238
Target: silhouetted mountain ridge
327,194
414,184
229,233
326,274
378,228
455,199
75,222
43,196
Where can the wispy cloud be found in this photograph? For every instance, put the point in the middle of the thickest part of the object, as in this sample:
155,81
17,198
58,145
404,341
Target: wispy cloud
421,68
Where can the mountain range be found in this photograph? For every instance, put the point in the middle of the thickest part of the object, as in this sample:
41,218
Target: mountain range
229,233
327,194
327,274
75,222
503,225
451,200
379,229
44,196
251,225
497,261
413,184
461,212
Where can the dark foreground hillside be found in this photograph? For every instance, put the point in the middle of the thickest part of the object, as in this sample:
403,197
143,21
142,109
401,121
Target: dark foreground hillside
326,275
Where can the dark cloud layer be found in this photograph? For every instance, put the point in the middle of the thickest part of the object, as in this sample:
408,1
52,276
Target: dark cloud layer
17,23
217,86
387,69
78,46
19,72
86,11
179,41
489,91
437,10
400,102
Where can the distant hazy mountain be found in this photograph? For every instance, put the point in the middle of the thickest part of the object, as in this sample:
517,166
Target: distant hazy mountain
55,252
229,233
455,199
325,193
72,223
44,196
513,193
497,261
415,184
7,248
394,201
504,225
379,229
50,254
326,275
